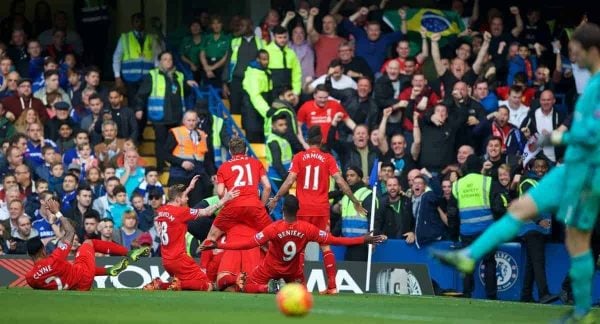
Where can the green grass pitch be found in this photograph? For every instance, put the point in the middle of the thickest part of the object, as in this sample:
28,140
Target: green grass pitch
136,306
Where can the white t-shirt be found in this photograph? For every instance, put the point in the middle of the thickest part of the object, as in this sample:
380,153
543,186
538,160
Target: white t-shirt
582,76
344,82
544,123
516,115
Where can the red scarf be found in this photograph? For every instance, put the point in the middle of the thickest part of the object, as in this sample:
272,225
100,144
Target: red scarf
265,33
501,132
528,69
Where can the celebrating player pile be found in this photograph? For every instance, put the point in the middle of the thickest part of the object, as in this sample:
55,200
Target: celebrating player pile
285,256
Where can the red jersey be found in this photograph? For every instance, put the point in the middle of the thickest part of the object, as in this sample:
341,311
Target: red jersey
313,167
54,272
311,114
171,226
244,173
288,241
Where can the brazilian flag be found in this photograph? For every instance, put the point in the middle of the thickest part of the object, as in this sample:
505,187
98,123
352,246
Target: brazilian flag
446,22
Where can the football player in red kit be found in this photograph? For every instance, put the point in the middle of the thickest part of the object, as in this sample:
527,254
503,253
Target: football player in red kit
54,272
171,226
312,168
234,262
288,239
244,173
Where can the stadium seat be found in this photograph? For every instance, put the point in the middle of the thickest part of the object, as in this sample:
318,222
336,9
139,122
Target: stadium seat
163,178
147,148
149,160
149,133
237,119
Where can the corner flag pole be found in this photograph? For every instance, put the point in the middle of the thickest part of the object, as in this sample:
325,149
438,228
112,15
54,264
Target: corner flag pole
373,177
371,226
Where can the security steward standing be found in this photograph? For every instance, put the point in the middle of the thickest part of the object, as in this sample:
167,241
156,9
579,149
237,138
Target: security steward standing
477,199
354,224
160,98
258,88
189,156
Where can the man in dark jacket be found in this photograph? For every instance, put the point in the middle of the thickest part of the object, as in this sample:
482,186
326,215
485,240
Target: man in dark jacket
394,217
352,154
123,116
429,224
438,142
513,140
545,119
461,102
358,103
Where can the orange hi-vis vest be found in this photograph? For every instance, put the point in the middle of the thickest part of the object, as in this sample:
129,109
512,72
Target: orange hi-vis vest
186,149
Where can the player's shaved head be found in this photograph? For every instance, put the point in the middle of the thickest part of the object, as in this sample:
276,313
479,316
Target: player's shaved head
290,207
237,146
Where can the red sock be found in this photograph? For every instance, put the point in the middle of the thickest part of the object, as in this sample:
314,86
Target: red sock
330,269
226,281
108,247
100,271
199,285
164,285
253,288
205,257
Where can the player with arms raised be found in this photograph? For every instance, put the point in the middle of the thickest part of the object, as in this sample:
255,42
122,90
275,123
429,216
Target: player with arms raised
245,174
284,258
312,168
171,226
54,272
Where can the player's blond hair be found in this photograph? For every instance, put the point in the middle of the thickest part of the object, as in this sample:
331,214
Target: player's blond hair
237,146
175,191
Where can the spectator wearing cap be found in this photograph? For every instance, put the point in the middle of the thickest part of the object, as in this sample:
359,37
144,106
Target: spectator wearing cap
52,127
145,239
23,99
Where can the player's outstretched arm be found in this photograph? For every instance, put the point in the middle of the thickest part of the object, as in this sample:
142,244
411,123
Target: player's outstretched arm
348,192
283,190
208,211
366,239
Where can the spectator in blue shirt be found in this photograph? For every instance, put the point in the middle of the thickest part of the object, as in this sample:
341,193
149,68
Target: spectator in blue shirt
43,227
370,43
131,175
35,142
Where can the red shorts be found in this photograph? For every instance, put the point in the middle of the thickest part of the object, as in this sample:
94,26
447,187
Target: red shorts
84,267
321,222
236,261
263,273
255,217
184,268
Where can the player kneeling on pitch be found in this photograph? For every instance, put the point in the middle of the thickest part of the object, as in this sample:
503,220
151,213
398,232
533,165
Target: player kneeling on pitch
288,239
54,272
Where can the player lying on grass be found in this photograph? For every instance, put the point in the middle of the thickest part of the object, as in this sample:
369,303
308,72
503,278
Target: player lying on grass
171,226
54,272
288,239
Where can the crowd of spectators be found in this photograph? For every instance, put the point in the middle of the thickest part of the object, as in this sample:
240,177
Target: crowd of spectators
415,113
